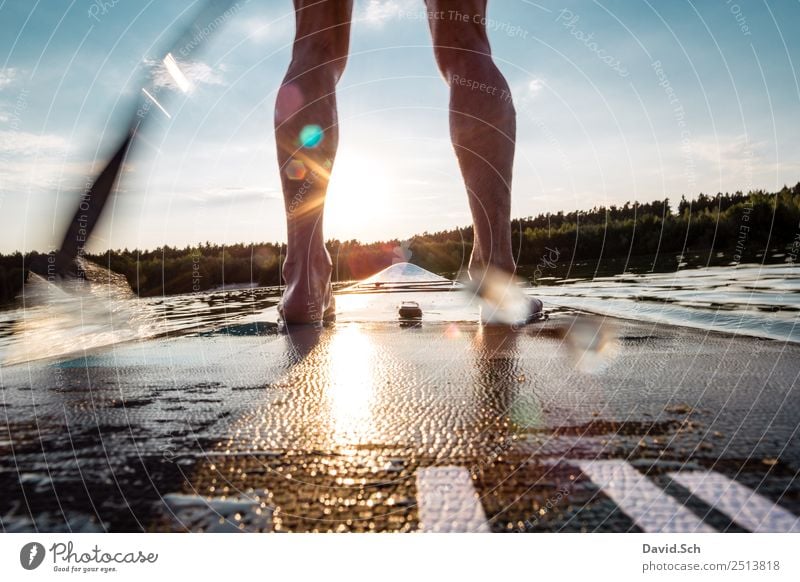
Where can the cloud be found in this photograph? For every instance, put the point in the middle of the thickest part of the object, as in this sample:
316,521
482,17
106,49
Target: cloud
535,87
263,24
258,29
377,12
24,143
527,92
30,161
730,149
233,194
197,73
740,162
7,77
733,155
44,175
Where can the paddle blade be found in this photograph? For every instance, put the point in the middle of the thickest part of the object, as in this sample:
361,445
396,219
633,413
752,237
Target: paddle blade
89,210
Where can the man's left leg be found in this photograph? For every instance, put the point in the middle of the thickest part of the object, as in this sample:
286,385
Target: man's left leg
482,124
483,131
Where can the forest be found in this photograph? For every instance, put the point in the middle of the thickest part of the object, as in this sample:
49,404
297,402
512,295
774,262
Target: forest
739,223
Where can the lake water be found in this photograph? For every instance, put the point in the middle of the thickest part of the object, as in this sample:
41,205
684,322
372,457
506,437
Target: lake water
750,299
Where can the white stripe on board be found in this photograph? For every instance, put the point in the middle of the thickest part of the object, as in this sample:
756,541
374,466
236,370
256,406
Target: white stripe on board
217,515
646,504
447,501
743,505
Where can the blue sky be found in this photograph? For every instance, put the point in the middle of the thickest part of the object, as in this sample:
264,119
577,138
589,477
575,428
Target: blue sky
616,100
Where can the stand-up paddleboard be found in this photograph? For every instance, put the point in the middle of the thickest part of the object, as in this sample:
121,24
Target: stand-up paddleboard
419,294
405,293
363,426
402,293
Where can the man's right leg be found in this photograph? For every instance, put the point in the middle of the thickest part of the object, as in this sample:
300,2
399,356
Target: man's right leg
307,135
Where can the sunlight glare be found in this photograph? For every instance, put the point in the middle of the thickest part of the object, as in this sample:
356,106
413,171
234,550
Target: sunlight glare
351,390
363,190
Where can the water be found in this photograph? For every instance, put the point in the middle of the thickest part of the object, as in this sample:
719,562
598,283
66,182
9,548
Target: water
52,320
752,299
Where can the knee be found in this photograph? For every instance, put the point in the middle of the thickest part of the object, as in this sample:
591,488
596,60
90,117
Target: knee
319,57
317,64
463,55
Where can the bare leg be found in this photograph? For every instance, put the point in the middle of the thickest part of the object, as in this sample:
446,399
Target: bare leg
482,125
307,135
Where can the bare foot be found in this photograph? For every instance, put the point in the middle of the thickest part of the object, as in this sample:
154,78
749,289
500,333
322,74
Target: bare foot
308,298
503,302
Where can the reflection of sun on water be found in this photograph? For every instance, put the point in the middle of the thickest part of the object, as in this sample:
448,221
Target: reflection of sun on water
351,389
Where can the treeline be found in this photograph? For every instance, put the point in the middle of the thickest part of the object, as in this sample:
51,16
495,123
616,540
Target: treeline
12,276
743,224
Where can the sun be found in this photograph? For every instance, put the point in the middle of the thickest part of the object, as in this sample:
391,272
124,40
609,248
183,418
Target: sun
361,193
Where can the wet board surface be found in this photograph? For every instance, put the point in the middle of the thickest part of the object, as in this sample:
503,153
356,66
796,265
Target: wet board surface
378,298
336,430
369,426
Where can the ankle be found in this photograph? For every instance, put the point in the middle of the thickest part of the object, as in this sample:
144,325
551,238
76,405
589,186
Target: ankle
495,263
316,265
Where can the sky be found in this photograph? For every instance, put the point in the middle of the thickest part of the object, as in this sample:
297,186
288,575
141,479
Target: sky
616,100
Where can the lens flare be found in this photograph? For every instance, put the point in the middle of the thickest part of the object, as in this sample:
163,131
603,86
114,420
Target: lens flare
311,136
177,74
592,342
296,170
290,101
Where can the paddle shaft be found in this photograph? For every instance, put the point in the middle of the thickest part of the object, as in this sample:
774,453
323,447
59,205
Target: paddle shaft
91,204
